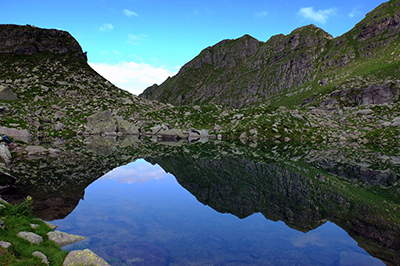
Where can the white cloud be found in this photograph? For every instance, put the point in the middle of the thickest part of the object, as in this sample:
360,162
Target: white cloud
320,16
136,172
261,14
129,13
106,27
135,39
354,12
133,77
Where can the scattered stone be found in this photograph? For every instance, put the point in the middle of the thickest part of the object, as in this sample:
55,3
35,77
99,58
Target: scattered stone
4,244
59,126
31,237
18,134
364,112
395,122
7,94
35,226
63,239
52,226
36,150
41,256
2,224
84,258
5,154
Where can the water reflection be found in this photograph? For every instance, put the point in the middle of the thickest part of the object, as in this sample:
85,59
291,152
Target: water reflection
136,212
152,220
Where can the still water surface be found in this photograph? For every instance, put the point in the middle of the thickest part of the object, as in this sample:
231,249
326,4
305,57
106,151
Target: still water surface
140,215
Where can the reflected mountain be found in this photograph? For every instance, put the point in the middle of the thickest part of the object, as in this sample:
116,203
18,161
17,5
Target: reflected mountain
297,194
353,187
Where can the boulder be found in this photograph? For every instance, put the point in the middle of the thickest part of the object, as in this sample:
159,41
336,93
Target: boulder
18,134
36,150
59,126
84,258
7,94
4,244
102,122
158,128
173,134
5,154
31,237
379,94
395,122
364,112
41,256
128,128
63,239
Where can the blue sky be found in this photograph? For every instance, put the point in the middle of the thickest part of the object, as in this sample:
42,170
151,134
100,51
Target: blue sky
136,43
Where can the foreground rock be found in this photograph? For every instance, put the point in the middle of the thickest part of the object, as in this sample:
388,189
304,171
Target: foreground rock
63,239
31,237
83,258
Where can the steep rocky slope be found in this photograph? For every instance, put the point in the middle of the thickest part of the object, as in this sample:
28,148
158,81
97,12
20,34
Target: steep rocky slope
48,89
287,69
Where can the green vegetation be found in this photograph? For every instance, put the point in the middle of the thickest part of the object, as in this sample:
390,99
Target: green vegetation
19,218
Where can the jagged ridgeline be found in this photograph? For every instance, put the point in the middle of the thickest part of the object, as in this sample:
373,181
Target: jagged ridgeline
291,69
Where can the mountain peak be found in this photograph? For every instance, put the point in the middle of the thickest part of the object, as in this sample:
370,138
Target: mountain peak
30,40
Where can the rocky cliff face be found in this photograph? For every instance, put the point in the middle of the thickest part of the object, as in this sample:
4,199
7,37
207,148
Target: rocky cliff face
29,40
245,71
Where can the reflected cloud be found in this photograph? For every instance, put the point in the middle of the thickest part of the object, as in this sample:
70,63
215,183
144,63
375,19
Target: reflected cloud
139,171
304,240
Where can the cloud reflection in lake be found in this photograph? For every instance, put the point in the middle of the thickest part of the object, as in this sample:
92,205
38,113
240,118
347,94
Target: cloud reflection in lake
139,171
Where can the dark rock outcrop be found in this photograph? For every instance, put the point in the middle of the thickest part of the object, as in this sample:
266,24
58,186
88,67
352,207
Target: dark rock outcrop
30,40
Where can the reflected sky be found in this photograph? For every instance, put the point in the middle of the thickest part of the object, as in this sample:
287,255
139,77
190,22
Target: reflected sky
136,172
139,215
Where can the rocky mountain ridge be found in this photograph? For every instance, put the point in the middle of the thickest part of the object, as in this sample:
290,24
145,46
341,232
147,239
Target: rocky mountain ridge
286,69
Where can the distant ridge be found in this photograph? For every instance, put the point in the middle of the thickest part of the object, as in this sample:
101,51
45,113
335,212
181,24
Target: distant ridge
287,69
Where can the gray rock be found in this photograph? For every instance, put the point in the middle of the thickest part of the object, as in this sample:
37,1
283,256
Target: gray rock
101,122
59,126
63,239
238,116
41,256
2,224
364,112
128,128
395,122
31,237
379,94
84,257
5,154
52,226
7,94
4,244
36,150
34,226
14,133
173,134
